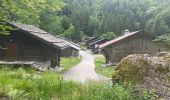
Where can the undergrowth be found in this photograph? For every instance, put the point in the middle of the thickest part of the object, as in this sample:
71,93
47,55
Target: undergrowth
28,84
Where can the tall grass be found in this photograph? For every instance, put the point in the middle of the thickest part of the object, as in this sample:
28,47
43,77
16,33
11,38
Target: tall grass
28,84
68,63
106,71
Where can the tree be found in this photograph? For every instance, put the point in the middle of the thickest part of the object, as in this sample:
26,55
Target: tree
109,35
90,17
70,33
51,22
30,12
65,23
158,18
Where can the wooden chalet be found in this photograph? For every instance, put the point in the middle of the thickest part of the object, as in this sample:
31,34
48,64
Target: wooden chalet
89,44
92,39
130,43
94,46
33,46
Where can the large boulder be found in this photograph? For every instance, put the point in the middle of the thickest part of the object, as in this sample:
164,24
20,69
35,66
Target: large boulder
151,72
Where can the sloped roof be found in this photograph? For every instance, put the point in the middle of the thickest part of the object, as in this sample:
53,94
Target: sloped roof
43,35
118,39
72,44
91,39
97,41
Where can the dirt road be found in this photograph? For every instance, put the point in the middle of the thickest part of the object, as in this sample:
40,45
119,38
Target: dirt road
85,70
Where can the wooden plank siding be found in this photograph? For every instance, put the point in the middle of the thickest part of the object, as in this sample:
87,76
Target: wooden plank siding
28,43
69,52
22,47
137,44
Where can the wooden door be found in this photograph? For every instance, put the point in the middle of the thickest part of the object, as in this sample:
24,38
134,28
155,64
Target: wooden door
11,51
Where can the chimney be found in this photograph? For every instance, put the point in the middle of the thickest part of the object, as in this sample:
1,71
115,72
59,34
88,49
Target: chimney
126,31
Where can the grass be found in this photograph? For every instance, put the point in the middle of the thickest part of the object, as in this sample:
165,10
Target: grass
68,63
106,71
28,84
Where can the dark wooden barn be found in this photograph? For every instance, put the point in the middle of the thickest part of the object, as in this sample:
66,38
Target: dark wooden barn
30,45
94,46
92,39
71,51
130,43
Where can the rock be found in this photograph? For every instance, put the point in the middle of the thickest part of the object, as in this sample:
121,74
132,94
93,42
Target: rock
107,65
57,69
151,72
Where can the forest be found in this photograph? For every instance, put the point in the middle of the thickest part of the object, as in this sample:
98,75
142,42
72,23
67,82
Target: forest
76,19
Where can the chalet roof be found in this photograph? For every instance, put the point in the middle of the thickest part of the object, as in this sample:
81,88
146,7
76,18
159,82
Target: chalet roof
72,44
91,39
44,36
95,42
118,39
89,42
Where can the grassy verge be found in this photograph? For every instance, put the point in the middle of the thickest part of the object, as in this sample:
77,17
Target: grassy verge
106,71
27,84
68,63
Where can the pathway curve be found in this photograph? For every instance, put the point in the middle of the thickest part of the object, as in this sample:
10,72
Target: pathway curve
85,70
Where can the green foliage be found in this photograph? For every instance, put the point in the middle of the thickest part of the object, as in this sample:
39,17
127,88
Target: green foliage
164,39
90,17
68,63
30,12
109,35
4,29
101,16
27,84
65,23
159,23
51,23
70,33
49,17
106,71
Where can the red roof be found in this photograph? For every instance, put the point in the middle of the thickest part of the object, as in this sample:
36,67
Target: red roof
118,39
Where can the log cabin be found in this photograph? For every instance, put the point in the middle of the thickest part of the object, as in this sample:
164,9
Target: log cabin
29,45
136,42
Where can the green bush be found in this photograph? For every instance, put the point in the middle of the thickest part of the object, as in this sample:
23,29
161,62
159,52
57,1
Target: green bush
109,35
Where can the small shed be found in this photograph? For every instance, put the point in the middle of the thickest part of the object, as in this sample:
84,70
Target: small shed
94,46
88,41
71,51
136,42
30,45
89,46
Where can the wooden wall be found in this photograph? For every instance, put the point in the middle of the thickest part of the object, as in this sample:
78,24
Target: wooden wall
22,47
69,52
139,44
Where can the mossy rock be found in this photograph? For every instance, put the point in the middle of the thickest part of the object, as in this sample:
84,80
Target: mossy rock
146,72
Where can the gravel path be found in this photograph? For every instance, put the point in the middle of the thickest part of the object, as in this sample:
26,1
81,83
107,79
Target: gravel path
85,70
